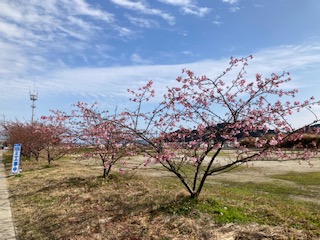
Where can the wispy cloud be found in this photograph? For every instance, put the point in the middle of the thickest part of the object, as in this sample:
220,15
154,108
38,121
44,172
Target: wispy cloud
51,21
109,84
80,7
34,34
230,1
290,57
142,22
12,31
142,6
107,81
188,53
137,59
188,7
234,9
178,2
233,3
217,20
12,61
194,10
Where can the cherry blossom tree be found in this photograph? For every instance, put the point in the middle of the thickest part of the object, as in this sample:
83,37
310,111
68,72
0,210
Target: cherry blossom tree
55,136
200,116
99,134
25,134
46,135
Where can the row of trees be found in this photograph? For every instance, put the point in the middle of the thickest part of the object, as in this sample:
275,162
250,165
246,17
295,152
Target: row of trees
186,131
45,136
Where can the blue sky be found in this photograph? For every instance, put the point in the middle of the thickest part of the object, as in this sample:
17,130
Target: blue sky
90,50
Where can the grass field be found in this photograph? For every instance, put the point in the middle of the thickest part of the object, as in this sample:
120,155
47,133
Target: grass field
69,200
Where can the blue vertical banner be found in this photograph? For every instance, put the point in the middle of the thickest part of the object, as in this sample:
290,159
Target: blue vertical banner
16,158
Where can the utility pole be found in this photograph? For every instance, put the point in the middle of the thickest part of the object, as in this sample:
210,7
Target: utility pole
33,98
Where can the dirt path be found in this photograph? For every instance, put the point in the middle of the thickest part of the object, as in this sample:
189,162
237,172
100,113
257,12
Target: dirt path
258,171
7,231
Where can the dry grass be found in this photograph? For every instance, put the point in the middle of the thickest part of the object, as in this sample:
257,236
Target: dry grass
70,200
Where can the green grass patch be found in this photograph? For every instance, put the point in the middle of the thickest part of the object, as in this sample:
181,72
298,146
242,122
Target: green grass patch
217,211
7,158
19,175
183,206
272,204
223,213
276,188
309,178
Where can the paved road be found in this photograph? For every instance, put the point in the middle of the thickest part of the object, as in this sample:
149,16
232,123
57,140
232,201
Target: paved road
7,231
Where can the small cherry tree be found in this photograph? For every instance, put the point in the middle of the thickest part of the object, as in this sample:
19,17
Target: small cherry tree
55,136
200,116
25,134
99,134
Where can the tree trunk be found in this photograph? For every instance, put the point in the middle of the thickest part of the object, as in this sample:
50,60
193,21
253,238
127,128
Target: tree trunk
106,171
49,158
194,195
206,174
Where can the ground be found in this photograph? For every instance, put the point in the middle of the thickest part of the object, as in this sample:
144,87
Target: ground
69,200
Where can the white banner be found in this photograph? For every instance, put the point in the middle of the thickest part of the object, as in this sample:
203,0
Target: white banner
16,158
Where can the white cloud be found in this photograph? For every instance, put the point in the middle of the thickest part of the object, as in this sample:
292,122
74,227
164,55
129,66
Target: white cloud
290,56
188,53
107,80
142,22
124,31
67,26
234,9
137,59
194,10
51,19
142,7
9,30
80,23
80,7
188,7
9,10
138,5
107,83
230,1
177,2
13,62
72,33
216,22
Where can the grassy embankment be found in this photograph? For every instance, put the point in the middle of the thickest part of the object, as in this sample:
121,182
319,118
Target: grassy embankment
69,200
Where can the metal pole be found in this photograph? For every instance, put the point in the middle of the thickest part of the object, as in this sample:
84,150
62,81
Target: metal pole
33,98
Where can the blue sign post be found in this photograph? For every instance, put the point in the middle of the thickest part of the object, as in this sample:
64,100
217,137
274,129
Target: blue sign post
16,158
